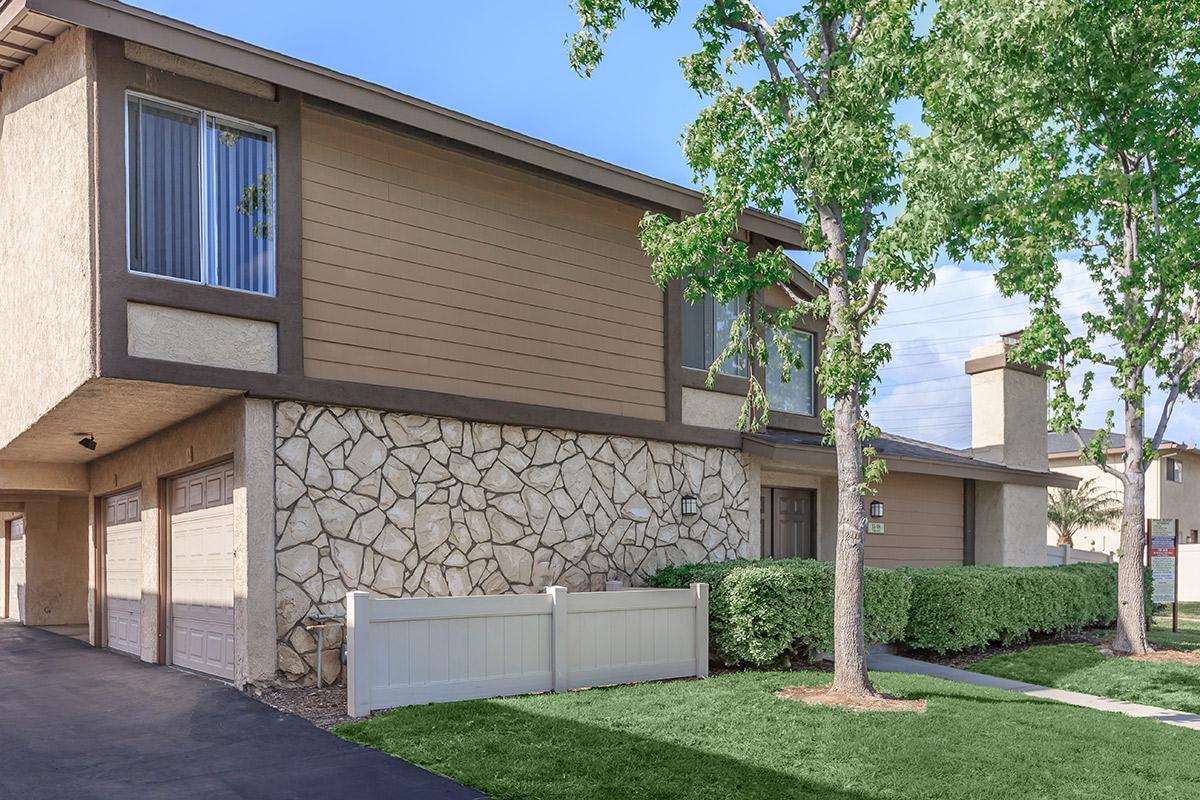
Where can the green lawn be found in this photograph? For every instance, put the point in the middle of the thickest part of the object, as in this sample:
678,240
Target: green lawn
1080,668
729,738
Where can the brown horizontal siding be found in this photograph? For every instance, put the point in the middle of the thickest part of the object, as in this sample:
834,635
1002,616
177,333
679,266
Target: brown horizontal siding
429,269
923,522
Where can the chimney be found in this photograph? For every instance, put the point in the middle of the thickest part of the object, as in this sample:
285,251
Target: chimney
1008,407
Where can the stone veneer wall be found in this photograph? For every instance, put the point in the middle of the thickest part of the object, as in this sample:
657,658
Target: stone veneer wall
413,506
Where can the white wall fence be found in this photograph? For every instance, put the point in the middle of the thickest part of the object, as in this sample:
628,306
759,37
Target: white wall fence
421,650
1189,573
1057,555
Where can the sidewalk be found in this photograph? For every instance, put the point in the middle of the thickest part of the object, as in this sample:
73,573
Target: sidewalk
891,663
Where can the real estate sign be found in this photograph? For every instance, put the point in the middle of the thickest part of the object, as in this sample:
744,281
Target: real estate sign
1164,553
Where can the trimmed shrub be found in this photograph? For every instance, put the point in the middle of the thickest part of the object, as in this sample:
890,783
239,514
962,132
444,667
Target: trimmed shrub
965,608
760,611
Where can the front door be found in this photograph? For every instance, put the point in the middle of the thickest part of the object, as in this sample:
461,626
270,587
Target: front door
202,571
123,571
789,523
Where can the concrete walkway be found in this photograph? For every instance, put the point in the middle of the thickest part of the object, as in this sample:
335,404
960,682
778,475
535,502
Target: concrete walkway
884,662
82,723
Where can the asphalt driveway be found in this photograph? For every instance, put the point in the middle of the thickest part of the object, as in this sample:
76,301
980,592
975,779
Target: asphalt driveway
84,723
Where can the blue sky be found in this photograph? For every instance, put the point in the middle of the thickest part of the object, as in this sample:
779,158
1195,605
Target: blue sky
506,62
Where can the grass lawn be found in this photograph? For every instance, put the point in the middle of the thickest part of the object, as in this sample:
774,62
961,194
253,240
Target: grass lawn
1080,668
730,738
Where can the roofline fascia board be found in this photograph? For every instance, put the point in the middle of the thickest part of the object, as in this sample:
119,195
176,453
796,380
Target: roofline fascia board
819,456
135,24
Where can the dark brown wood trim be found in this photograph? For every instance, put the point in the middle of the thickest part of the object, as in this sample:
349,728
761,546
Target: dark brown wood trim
100,597
416,401
7,563
673,350
115,75
725,384
968,521
164,568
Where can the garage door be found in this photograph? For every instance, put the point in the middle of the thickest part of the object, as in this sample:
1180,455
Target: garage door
123,571
16,569
202,571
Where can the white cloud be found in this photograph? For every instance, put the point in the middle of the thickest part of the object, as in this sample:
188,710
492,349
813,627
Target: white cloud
924,392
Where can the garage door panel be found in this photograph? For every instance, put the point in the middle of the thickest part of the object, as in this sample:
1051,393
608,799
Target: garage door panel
202,572
123,572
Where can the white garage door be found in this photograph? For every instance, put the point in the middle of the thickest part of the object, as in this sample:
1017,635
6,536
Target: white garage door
202,571
16,569
123,571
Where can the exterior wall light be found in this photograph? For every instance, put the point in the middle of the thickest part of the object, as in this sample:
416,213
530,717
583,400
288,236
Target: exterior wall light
876,509
688,506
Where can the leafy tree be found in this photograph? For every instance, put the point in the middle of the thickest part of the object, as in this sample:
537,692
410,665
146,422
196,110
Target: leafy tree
1074,130
1088,505
802,111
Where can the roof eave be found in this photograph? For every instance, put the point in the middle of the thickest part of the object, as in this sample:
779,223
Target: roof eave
154,30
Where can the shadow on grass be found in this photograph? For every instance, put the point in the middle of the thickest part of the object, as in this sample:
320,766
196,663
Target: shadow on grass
509,753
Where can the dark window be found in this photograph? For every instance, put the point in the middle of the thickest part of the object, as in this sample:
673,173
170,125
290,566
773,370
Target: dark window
795,395
201,197
1174,470
706,327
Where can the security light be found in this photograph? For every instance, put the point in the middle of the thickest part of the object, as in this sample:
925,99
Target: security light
688,506
88,441
876,509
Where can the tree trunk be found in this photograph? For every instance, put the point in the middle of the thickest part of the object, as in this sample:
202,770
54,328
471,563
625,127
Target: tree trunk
1066,539
1131,589
849,635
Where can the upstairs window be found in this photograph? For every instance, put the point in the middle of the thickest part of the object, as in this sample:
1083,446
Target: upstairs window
796,395
201,196
1174,470
706,327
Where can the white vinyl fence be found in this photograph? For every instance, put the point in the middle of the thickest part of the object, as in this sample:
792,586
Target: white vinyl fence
1057,555
422,650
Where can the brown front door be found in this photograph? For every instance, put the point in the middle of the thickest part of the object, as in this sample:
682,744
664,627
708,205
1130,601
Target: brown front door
788,530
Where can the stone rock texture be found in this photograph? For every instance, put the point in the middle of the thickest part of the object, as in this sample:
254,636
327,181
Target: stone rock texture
413,506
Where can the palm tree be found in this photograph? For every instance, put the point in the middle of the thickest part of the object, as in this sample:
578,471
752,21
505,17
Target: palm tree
1089,505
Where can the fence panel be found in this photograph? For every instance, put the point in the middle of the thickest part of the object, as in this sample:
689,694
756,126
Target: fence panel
423,650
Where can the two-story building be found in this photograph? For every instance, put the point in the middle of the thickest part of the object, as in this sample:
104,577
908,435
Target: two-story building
269,333
1171,481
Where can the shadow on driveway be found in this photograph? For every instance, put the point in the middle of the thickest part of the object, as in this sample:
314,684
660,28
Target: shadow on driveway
84,723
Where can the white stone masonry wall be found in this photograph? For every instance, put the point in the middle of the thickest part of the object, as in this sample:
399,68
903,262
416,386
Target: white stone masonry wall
413,506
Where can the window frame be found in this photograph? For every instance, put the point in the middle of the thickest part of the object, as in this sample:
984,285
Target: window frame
1174,469
814,405
206,268
718,348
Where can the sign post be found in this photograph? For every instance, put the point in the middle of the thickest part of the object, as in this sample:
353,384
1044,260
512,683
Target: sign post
1162,546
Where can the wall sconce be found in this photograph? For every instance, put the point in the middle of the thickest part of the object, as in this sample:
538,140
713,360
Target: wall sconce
876,509
688,506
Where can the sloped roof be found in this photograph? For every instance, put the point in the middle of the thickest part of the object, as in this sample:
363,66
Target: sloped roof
154,30
904,455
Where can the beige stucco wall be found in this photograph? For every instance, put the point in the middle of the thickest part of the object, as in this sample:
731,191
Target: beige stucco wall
237,429
1008,414
1010,524
195,337
56,560
1173,500
710,409
46,309
1105,539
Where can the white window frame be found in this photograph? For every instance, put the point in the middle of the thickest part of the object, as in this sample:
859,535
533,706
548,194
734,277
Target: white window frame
206,276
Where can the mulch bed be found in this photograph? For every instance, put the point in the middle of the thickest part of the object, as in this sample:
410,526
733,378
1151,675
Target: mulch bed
821,696
322,707
1190,657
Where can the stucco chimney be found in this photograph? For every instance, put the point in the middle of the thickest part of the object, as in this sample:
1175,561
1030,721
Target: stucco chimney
1008,407
1008,426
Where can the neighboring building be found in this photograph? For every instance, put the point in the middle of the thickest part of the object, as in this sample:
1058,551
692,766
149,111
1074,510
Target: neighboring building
1171,487
269,333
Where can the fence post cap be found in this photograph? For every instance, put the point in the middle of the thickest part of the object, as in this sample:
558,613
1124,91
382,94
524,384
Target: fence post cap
557,590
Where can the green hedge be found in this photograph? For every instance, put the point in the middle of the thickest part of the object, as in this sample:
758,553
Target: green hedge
964,608
762,611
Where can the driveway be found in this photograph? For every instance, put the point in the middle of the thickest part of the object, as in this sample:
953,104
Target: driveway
84,723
